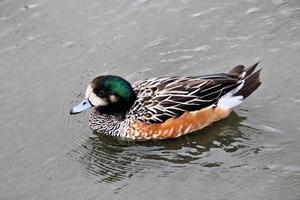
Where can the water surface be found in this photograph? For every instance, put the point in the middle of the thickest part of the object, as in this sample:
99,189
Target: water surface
50,50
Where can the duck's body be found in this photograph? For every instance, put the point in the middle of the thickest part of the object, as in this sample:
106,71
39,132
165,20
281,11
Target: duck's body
167,107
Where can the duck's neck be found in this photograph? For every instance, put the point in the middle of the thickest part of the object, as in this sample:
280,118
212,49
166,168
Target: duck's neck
107,123
118,113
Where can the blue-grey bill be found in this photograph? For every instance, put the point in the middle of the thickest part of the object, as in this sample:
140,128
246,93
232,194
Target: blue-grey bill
85,104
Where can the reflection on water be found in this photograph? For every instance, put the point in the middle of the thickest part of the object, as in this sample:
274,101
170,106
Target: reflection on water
110,159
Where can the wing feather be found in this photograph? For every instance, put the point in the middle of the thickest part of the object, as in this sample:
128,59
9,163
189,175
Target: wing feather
159,99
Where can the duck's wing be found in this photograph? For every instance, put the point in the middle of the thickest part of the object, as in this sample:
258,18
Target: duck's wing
159,99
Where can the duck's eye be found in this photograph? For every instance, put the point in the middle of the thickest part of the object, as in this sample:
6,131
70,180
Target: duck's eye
99,92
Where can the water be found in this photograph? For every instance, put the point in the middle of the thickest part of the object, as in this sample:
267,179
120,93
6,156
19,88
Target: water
50,50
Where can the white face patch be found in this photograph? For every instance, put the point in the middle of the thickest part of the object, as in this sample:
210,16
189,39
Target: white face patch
93,98
113,98
89,90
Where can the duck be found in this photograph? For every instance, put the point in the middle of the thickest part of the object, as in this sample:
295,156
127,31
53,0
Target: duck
165,107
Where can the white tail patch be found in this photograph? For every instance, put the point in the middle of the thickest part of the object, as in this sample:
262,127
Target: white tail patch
229,101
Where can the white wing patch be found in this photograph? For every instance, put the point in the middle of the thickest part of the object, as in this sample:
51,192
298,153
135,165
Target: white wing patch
228,101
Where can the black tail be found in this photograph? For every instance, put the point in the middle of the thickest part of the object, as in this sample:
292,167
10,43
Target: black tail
250,77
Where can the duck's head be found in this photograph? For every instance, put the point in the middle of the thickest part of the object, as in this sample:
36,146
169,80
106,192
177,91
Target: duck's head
108,94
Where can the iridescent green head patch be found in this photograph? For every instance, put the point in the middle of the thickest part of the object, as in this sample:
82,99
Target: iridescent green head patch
119,87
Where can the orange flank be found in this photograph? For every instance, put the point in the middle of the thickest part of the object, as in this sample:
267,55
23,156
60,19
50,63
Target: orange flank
177,126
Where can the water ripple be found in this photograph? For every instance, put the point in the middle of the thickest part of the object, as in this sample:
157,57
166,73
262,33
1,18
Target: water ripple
155,43
108,159
196,49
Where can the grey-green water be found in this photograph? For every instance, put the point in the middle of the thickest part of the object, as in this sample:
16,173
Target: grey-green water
50,50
